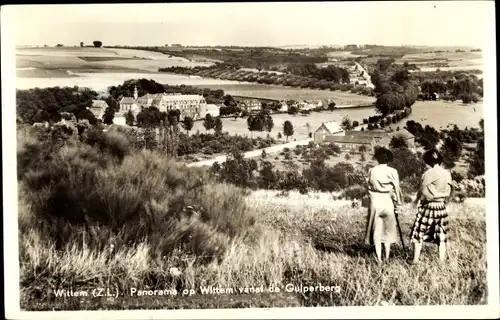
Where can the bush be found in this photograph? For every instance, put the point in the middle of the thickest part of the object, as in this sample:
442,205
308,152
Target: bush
87,188
355,192
457,176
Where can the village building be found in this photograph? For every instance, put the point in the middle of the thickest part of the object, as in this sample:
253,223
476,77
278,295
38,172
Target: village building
193,106
406,136
98,108
213,110
250,105
352,140
284,106
327,130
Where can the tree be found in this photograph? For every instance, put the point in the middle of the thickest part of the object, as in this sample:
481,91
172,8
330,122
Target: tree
188,124
255,123
346,124
363,148
129,118
81,44
218,125
293,110
208,123
97,44
109,115
113,103
268,122
398,142
287,129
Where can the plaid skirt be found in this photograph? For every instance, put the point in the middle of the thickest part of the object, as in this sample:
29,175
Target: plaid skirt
431,224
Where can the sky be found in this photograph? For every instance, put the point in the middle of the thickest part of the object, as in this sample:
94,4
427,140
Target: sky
443,23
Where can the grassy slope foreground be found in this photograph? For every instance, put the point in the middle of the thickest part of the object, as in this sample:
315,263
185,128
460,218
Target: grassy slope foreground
93,214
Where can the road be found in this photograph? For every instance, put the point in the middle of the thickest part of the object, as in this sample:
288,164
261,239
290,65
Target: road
367,77
253,153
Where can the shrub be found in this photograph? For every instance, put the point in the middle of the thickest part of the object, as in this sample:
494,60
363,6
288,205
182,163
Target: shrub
140,197
457,176
355,192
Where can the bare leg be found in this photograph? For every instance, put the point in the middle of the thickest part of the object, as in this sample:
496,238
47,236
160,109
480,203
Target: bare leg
416,254
442,251
378,250
387,250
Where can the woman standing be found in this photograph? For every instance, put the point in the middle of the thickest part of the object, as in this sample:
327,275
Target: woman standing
431,223
385,195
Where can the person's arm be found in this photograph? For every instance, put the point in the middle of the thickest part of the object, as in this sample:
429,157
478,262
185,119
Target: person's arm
397,188
452,188
367,180
419,191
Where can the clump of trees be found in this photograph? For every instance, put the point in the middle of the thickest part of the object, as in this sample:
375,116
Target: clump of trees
451,85
299,76
47,104
260,122
393,88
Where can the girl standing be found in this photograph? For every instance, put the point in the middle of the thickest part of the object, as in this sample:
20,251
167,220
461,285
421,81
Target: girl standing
385,195
431,223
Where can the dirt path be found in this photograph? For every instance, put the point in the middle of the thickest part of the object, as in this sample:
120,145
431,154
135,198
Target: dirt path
253,153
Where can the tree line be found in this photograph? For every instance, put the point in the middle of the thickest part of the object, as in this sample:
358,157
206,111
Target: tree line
40,105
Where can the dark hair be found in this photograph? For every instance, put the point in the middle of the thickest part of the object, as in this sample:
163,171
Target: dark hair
432,157
383,155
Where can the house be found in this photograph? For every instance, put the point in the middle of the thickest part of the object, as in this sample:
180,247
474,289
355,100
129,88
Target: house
212,110
98,108
327,129
352,140
284,106
128,104
406,135
250,105
434,96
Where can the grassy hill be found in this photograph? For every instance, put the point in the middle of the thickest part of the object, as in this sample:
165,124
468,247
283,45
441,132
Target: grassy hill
304,241
54,61
97,215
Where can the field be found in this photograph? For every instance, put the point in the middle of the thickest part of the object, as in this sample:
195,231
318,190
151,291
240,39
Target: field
86,59
305,240
281,92
437,114
454,60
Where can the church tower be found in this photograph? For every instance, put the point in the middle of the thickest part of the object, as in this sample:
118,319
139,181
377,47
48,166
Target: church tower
136,94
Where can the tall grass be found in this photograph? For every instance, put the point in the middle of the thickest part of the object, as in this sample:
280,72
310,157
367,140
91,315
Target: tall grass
125,222
100,191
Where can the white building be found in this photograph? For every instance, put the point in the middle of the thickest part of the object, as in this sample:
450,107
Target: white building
194,106
98,108
213,110
327,129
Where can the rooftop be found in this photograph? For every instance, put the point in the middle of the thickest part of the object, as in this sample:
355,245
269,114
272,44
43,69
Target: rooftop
405,134
350,139
97,104
127,100
332,126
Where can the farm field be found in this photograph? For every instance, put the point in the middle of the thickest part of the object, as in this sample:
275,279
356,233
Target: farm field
86,58
455,60
437,114
280,92
304,240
